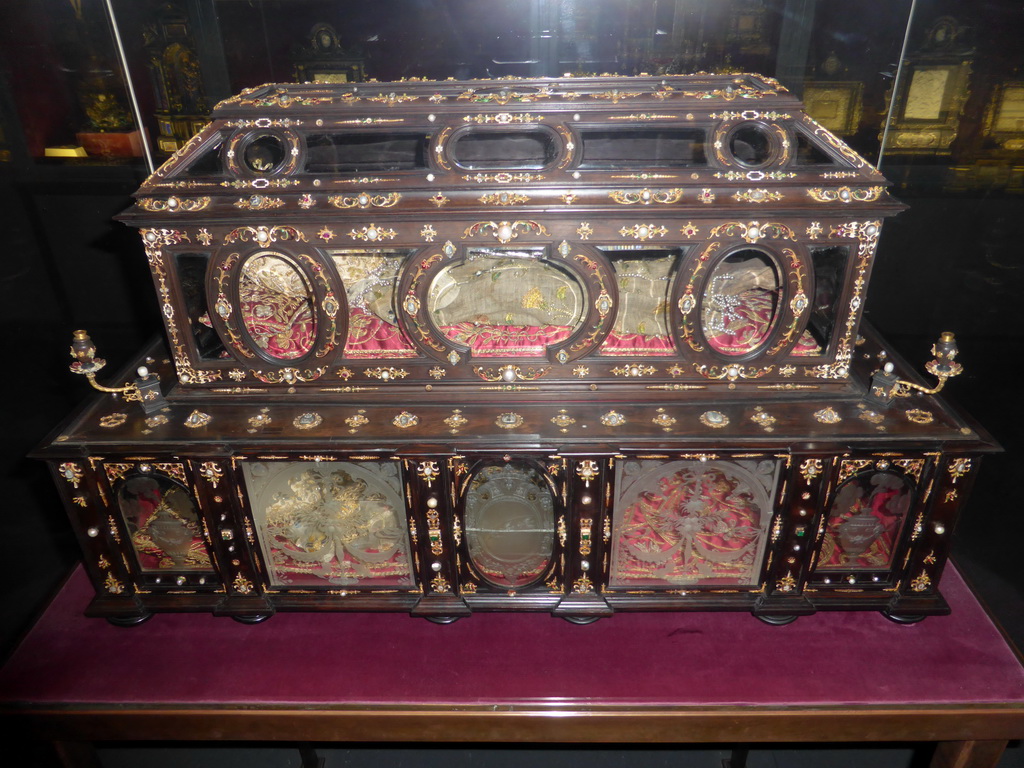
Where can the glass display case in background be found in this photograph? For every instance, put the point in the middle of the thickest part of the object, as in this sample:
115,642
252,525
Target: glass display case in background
907,84
95,93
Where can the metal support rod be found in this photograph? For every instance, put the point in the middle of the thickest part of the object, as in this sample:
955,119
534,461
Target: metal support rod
136,113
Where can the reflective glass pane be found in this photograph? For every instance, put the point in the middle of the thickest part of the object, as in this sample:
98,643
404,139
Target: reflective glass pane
741,302
163,524
277,306
504,302
864,522
369,276
641,323
510,524
509,150
192,277
329,523
690,522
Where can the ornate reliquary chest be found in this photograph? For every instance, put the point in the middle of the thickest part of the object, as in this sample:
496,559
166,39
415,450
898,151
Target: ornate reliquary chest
576,346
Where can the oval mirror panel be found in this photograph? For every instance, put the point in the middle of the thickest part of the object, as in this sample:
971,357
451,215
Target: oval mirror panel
741,304
510,522
277,306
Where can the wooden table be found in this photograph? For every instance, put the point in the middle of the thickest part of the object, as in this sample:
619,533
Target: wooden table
635,678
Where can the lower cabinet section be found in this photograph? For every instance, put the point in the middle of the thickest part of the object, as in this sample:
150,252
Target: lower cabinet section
580,536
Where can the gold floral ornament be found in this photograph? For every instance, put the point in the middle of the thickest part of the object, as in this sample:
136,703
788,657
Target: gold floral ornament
386,374
562,419
356,421
763,419
643,232
197,419
921,582
175,204
919,416
845,194
584,230
428,471
509,420
112,585
211,472
113,420
613,419
428,233
71,472
372,233
259,421
786,584
587,470
505,231
504,198
754,231
714,419
242,585
438,199
646,196
758,196
827,415
663,420
258,203
731,372
810,469
365,200
456,421
307,420
405,420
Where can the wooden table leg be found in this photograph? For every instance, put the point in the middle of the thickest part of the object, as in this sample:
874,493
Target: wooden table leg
968,754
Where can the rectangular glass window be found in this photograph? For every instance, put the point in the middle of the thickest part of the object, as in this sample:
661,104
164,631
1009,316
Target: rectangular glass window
364,152
642,147
331,523
691,523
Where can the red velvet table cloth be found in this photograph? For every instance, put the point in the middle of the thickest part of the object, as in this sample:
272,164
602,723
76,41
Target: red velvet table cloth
654,659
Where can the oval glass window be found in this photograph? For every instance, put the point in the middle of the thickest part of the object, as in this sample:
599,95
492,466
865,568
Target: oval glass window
864,522
277,306
264,153
510,522
163,524
504,302
741,304
751,145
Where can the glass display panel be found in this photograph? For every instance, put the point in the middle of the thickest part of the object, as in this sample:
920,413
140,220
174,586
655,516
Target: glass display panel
510,524
163,524
369,276
277,305
741,304
864,522
829,265
208,164
690,522
330,522
508,150
192,279
264,153
364,152
642,147
751,145
506,302
643,278
808,154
